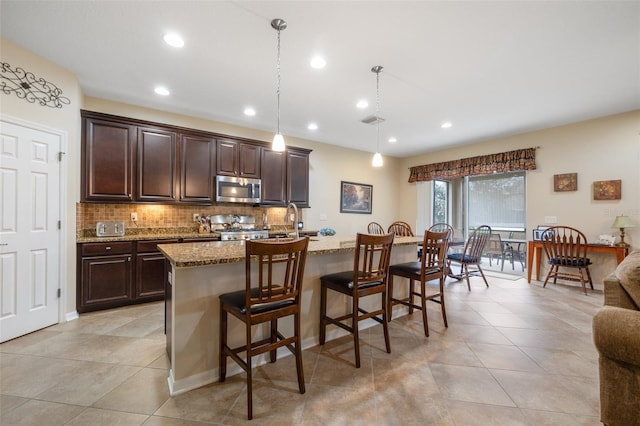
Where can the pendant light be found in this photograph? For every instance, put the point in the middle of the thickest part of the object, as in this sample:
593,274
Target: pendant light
377,157
278,140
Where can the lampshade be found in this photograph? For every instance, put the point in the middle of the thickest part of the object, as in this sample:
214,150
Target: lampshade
278,143
623,222
377,160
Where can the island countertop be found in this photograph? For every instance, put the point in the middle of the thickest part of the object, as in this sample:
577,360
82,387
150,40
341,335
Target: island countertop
209,253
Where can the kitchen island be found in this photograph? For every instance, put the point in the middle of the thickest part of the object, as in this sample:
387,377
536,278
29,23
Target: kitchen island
200,272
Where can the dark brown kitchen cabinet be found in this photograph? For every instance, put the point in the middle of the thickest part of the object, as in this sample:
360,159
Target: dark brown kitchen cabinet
105,275
238,159
298,178
197,169
151,270
274,175
156,165
108,151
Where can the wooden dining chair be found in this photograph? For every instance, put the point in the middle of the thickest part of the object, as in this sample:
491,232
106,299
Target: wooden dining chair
432,266
401,229
375,228
273,288
471,255
566,248
367,278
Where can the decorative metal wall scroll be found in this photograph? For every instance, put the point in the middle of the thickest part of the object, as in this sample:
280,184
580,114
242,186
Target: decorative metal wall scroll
27,86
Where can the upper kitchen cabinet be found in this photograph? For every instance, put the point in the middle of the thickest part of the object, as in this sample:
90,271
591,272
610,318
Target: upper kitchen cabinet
298,177
238,159
274,175
285,177
197,169
108,150
156,180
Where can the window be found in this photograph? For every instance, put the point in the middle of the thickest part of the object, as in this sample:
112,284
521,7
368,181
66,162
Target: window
497,200
440,212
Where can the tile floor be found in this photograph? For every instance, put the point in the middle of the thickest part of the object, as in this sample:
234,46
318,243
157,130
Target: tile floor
513,354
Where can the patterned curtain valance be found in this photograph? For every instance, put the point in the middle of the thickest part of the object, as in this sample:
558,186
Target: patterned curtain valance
521,159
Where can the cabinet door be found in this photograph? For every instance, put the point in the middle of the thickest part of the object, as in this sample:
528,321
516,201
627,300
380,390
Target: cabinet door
227,158
151,273
237,159
156,165
249,160
298,178
273,177
107,166
106,282
197,169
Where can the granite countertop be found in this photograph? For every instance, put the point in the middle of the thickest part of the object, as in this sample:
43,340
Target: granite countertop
141,234
215,252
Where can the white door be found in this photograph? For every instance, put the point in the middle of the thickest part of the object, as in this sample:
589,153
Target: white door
29,234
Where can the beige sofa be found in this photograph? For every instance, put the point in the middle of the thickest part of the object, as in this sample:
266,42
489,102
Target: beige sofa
616,333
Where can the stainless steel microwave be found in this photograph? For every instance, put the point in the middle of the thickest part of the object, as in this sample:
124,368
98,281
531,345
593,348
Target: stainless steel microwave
232,189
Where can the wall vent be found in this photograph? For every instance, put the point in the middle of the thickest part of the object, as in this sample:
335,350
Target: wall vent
372,119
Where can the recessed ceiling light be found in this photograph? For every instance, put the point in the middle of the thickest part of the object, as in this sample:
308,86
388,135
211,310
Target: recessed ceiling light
312,126
393,140
163,91
362,104
446,125
173,39
249,111
318,62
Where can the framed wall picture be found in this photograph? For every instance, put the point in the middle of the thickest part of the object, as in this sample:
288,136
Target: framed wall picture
607,190
355,197
565,182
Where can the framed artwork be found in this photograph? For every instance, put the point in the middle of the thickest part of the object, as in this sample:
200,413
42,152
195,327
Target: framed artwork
607,190
565,182
355,197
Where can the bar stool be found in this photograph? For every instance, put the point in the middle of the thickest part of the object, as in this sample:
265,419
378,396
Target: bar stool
368,277
279,271
432,266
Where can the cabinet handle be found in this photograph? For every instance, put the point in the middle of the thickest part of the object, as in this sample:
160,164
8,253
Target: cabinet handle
4,244
129,259
107,248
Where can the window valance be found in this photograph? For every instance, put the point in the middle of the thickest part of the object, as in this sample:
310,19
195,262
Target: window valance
511,161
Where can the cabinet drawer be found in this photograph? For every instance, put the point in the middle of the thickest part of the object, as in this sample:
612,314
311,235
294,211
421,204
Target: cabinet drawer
152,246
97,249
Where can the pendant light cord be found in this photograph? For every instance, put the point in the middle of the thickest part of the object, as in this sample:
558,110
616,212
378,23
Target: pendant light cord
378,111
278,81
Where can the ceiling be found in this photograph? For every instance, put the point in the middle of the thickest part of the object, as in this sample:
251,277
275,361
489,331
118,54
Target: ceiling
492,69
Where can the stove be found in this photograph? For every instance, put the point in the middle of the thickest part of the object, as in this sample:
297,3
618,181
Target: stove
243,234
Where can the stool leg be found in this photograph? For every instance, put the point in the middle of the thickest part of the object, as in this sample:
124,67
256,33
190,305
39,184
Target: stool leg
354,326
249,377
274,338
299,353
425,323
385,327
222,367
323,313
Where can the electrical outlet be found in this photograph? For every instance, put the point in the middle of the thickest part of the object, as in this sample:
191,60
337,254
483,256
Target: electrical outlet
323,216
134,216
550,219
196,216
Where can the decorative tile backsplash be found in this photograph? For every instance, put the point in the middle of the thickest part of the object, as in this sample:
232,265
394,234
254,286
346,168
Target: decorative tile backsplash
168,216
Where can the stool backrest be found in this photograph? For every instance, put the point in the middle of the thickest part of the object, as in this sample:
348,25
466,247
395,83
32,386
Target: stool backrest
371,258
434,250
280,271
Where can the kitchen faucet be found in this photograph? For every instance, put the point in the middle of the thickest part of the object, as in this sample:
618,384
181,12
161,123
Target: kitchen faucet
287,218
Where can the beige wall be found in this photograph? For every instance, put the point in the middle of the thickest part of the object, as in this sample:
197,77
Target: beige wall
65,119
606,148
602,149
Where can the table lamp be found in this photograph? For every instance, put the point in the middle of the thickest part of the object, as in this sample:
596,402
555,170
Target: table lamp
622,222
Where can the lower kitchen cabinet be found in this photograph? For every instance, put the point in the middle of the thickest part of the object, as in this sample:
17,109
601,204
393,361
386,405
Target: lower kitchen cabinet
151,270
105,275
